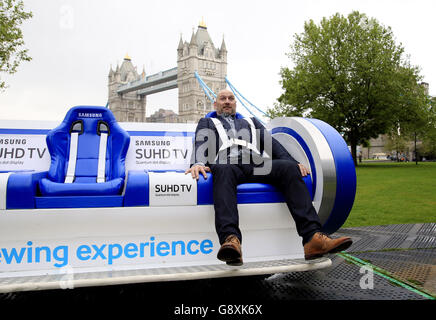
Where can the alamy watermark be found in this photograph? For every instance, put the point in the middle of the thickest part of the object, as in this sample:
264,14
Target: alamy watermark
257,152
67,278
66,17
367,280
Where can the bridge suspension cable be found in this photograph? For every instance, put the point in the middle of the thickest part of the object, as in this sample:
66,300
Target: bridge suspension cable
237,94
205,88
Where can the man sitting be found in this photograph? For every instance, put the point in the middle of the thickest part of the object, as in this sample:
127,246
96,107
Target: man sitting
233,156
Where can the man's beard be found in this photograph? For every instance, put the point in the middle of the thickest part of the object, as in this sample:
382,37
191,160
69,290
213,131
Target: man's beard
228,112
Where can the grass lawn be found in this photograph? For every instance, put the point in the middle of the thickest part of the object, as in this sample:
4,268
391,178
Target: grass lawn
394,193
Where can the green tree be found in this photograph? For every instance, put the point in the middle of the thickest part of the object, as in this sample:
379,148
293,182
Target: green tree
397,142
428,146
349,72
12,15
412,120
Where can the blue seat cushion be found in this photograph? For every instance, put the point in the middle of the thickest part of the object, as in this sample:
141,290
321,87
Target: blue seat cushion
246,192
50,188
78,202
258,193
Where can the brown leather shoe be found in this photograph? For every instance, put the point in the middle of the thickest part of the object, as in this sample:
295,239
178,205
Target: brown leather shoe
230,251
321,244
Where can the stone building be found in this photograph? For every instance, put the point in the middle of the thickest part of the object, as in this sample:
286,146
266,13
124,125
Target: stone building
376,148
201,55
198,55
129,107
163,115
381,147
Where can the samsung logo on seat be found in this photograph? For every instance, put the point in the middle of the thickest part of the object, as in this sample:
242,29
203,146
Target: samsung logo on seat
90,115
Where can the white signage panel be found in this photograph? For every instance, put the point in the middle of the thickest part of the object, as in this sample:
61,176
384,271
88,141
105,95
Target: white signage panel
166,152
99,252
152,146
172,189
23,152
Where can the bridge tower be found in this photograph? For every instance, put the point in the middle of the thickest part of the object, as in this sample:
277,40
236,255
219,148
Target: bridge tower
126,107
202,56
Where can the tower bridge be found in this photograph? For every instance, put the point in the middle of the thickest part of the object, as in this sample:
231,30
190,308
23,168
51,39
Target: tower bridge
161,81
127,89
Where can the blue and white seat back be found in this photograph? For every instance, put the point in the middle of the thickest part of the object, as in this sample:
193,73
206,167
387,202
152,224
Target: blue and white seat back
88,152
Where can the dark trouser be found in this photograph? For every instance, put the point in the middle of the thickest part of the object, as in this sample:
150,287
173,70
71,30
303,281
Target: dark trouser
284,175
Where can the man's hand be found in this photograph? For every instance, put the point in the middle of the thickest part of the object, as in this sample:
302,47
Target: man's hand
304,171
195,171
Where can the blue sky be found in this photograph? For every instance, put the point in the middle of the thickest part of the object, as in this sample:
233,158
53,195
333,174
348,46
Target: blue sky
73,44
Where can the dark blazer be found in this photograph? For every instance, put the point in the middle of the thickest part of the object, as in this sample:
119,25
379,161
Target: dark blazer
206,133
